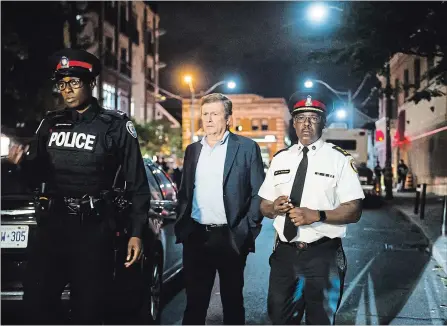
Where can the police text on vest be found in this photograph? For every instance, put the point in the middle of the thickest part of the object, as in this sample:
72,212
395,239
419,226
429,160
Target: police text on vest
72,140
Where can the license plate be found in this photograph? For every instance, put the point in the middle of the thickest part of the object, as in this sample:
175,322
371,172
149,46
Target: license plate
363,178
14,236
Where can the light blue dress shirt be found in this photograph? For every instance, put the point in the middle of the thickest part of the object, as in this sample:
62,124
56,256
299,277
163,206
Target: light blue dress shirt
207,202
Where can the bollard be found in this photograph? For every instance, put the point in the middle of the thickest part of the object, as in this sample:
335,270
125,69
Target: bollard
416,200
423,197
444,213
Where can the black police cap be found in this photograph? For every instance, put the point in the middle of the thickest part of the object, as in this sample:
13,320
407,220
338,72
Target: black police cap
74,63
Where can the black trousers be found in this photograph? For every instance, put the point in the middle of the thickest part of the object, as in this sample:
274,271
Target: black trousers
204,253
306,280
64,251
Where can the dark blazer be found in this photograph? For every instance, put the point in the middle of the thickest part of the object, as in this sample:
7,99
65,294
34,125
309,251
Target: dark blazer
243,176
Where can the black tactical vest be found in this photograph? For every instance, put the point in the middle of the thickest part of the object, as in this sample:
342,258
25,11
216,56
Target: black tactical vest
82,154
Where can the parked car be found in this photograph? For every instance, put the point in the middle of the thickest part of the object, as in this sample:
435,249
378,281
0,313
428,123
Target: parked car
139,286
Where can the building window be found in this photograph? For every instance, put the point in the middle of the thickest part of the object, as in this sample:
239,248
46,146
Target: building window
406,83
264,124
123,55
238,126
396,93
108,94
430,66
417,73
255,124
132,108
109,44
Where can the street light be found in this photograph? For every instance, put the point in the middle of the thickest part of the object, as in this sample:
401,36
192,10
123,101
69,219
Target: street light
308,84
319,11
341,114
230,84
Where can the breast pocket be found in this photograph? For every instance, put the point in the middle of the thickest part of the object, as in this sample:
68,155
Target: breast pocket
327,183
280,179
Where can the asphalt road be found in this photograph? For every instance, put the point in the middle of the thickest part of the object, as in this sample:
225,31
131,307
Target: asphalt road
390,280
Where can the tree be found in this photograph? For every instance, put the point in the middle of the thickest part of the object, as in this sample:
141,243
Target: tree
157,137
375,31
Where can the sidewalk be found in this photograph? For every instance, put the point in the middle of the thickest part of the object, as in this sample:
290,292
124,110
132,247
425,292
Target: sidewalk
403,203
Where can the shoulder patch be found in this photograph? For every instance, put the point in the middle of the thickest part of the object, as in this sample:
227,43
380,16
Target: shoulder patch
352,163
341,150
131,129
282,150
55,113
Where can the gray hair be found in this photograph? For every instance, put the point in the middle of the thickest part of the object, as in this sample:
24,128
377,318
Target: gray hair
218,97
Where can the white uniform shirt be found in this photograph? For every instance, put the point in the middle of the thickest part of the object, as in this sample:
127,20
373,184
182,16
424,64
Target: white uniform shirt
331,179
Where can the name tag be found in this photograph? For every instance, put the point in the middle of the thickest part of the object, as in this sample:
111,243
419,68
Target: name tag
325,175
72,140
281,172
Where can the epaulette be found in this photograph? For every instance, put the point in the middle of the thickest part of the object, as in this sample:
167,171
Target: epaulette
282,150
341,150
108,115
55,113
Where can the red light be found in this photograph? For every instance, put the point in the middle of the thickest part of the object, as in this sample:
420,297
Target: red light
379,135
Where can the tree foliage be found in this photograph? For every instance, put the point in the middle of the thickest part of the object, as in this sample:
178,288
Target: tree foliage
374,31
158,137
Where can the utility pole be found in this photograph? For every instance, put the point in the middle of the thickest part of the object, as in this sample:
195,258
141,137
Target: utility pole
388,172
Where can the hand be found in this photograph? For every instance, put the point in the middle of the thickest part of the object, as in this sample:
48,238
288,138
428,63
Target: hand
303,216
134,251
281,205
16,153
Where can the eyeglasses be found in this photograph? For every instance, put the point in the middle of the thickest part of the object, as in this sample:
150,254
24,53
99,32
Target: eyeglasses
74,84
303,118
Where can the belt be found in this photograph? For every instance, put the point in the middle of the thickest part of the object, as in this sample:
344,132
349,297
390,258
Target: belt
304,245
210,227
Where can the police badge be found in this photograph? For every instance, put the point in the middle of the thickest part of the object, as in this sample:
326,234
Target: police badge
308,101
65,63
131,129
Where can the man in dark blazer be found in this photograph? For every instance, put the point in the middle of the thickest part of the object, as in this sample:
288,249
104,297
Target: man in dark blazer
219,214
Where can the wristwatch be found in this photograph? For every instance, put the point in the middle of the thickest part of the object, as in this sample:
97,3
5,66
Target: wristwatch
322,215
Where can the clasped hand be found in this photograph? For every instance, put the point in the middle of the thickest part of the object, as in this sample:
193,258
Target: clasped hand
298,215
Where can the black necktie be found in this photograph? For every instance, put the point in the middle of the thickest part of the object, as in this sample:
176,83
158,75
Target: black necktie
290,230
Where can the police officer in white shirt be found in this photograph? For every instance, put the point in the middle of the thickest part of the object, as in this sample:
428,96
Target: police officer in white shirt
312,191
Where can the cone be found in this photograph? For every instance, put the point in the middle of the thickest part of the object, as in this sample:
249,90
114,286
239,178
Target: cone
409,181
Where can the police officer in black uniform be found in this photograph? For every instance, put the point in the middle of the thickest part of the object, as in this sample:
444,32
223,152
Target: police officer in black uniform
77,154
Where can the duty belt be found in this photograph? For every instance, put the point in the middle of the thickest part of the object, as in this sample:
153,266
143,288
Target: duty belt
77,206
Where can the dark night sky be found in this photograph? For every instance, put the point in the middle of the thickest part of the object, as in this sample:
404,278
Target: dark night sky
263,46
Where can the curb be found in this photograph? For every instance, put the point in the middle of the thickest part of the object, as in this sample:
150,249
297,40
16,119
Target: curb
436,249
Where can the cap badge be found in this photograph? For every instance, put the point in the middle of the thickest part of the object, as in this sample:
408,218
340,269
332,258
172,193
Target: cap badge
65,63
308,101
